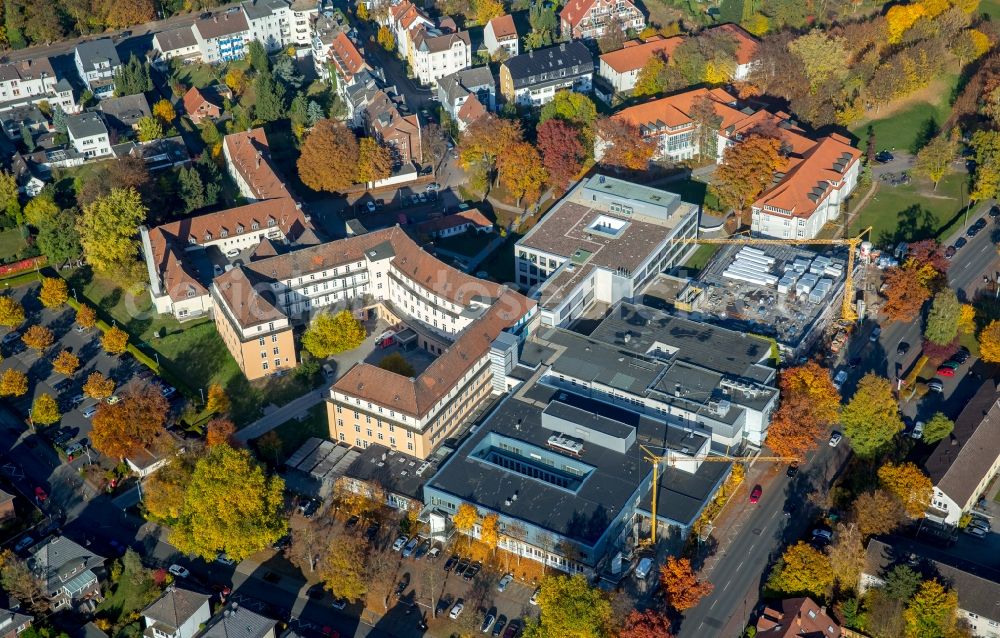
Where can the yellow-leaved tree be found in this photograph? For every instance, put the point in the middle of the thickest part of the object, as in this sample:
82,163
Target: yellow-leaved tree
66,363
98,386
45,410
114,340
11,312
330,334
465,518
54,292
229,491
989,342
13,383
909,484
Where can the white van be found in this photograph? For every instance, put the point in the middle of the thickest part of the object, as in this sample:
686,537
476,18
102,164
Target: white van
642,571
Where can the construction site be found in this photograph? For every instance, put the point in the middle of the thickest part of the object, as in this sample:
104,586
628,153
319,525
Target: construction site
789,293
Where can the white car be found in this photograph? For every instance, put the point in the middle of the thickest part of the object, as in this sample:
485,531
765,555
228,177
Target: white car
178,571
225,560
918,430
400,542
232,253
89,412
835,439
534,597
456,611
506,580
645,565
838,381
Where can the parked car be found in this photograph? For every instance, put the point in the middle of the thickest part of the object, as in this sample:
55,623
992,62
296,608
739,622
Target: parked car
232,252
433,187
979,524
178,571
24,544
792,470
961,356
513,629
443,604
113,399
875,334
499,625
506,580
167,391
839,379
972,231
472,570
401,586
823,534
352,522
370,206
434,552
399,544
918,430
422,549
534,597
491,617
949,252
339,603
225,560
308,509
412,545
883,157
835,439
975,531
456,611
755,494
902,348
450,562
960,242
89,411
945,371
935,385
463,564
11,337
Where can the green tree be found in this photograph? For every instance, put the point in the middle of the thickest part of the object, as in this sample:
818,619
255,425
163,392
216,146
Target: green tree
270,104
27,138
10,200
257,55
148,129
823,56
651,78
397,363
331,334
570,607
108,230
211,179
934,160
871,418
284,71
932,611
937,428
40,209
314,112
132,77
901,582
544,26
59,119
58,238
942,320
229,491
190,189
802,569
570,106
298,115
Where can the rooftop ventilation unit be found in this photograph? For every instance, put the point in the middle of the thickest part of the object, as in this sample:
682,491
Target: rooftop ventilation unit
566,444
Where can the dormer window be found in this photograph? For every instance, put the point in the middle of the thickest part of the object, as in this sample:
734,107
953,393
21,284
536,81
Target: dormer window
271,222
208,236
192,239
239,229
224,233
254,226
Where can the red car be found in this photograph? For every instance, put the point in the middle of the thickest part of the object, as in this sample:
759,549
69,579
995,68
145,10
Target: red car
946,372
755,494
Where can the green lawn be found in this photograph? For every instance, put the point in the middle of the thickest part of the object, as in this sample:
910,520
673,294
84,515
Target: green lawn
11,243
199,75
905,129
913,211
701,256
990,8
695,192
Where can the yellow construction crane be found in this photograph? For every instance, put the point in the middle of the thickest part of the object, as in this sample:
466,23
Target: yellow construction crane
847,312
672,458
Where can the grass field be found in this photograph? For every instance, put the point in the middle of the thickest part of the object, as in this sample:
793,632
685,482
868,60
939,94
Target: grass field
694,192
905,128
991,9
11,243
701,256
913,211
294,432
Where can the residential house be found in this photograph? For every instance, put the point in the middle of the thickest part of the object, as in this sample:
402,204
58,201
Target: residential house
384,120
964,463
347,62
96,63
747,48
30,179
198,107
359,94
454,224
12,623
123,113
403,18
27,116
533,78
453,90
437,53
796,618
248,161
177,613
69,573
89,630
500,34
279,23
621,68
176,43
88,134
977,585
159,154
470,111
589,19
6,508
236,620
33,81
325,29
223,36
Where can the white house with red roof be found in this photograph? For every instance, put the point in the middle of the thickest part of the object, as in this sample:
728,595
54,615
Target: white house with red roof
588,19
499,34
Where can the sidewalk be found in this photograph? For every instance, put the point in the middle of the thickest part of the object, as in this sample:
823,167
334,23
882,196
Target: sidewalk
290,410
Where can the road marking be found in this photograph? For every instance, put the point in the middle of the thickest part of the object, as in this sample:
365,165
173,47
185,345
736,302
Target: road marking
714,602
738,567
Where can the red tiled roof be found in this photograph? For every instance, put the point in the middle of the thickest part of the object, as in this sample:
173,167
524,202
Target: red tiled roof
811,174
249,155
575,11
471,216
193,100
472,110
503,27
346,56
674,110
636,53
746,44
796,618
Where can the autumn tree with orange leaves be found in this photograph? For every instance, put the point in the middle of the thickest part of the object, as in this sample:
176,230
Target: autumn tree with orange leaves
908,286
135,422
521,172
681,588
646,624
220,431
623,145
747,169
809,404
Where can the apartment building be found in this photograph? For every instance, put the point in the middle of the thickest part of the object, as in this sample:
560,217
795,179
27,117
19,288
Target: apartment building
32,81
500,34
383,119
454,90
403,18
347,60
223,36
88,135
600,244
279,23
589,19
533,78
436,53
977,585
96,63
963,464
248,162
819,176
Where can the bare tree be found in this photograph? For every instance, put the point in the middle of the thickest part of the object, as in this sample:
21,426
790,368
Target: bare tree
19,581
380,572
309,542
